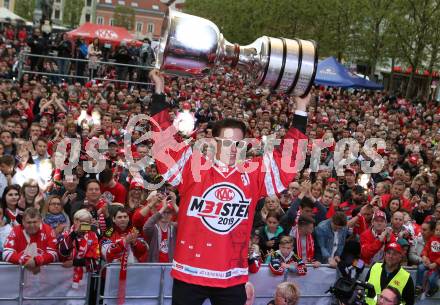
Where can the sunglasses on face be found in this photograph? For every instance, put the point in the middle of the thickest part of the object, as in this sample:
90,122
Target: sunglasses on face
228,142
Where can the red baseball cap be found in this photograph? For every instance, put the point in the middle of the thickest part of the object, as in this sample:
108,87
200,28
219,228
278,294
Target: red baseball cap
379,213
136,185
351,170
394,246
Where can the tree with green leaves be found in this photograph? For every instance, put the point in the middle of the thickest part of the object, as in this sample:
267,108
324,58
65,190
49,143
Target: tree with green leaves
412,28
124,16
72,12
25,8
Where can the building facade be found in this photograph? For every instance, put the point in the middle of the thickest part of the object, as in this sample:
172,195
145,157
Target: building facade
57,11
88,12
149,15
9,4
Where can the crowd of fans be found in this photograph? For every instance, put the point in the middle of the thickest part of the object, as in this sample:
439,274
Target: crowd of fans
84,218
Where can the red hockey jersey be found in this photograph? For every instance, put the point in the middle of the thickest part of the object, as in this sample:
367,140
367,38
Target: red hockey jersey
113,247
19,246
217,204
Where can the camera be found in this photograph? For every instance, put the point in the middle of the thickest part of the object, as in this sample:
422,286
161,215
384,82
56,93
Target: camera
351,292
85,227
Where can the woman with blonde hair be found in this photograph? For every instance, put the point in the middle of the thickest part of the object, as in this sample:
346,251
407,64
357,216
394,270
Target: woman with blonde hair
31,195
271,204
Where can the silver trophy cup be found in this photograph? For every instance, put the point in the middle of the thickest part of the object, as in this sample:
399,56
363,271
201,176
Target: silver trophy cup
191,46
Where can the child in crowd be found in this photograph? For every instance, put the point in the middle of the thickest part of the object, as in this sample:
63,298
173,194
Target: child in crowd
286,294
270,233
430,266
284,259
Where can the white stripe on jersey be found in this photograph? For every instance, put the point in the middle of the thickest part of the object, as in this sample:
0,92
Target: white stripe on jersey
177,168
268,177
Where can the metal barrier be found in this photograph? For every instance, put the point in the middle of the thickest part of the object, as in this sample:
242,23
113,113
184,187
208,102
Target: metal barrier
152,284
53,285
103,66
147,284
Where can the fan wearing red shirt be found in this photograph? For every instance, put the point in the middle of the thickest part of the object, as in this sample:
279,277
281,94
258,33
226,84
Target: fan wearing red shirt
111,190
373,241
397,191
32,244
123,237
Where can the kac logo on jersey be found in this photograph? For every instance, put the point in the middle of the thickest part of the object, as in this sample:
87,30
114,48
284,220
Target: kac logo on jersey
221,208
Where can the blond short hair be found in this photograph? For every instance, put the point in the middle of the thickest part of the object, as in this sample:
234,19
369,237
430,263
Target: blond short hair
82,215
289,291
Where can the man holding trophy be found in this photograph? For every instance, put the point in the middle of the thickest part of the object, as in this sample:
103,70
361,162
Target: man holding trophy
218,197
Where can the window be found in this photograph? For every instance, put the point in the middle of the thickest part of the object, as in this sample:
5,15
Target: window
87,17
135,4
6,4
139,27
100,20
56,1
89,3
150,28
56,14
112,21
155,7
121,2
108,1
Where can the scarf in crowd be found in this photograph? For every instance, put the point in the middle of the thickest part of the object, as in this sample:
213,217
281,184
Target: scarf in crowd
123,276
310,246
54,220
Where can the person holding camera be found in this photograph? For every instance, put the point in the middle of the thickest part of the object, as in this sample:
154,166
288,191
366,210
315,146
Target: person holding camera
391,273
79,247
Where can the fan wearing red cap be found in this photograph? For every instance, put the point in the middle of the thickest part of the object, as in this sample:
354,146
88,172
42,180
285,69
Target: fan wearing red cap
390,273
374,239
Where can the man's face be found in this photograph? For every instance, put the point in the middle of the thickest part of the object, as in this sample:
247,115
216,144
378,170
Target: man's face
226,146
397,190
31,225
10,126
70,183
121,220
426,232
397,220
392,258
93,192
35,131
142,150
387,297
350,178
306,211
379,224
327,198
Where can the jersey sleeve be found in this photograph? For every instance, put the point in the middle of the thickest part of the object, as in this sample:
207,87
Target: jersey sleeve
281,166
169,151
10,251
